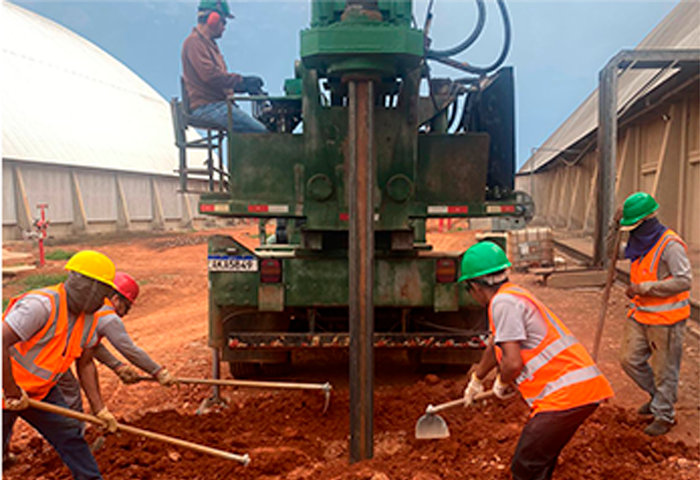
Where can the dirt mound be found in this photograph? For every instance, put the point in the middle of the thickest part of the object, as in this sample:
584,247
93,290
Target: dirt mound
288,437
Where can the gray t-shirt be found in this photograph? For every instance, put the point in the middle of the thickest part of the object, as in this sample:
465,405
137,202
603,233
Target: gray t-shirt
517,320
112,328
30,314
674,262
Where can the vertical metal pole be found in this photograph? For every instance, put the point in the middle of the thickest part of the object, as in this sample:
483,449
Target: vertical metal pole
361,267
607,150
42,233
216,372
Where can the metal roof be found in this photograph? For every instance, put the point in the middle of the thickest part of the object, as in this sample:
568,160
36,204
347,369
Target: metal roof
66,101
680,29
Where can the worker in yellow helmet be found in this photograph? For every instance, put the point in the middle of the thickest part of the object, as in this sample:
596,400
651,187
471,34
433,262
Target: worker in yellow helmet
43,332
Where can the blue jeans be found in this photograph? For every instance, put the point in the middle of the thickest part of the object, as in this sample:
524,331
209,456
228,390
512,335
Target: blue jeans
217,113
651,356
64,434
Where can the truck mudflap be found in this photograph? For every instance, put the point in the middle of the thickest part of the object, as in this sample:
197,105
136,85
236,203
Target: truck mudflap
245,341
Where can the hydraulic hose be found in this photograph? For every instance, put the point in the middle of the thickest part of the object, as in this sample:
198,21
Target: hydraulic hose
469,41
466,67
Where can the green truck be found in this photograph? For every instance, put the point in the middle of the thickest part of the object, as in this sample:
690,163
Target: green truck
446,153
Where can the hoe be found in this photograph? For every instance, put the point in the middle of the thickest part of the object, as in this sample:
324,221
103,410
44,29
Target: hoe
432,426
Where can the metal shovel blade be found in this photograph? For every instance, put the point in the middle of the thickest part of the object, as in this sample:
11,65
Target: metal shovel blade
431,427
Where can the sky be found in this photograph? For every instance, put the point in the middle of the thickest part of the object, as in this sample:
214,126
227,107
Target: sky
558,47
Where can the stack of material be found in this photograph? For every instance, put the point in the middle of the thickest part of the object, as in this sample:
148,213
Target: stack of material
15,262
530,247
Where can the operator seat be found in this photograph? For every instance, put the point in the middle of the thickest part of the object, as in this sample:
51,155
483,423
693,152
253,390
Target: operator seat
212,141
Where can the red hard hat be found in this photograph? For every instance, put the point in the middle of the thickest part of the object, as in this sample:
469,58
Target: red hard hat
126,285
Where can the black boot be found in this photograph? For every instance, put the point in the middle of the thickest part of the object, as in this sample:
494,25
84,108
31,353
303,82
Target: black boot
658,427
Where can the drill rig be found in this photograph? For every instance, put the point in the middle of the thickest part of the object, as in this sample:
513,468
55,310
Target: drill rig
356,162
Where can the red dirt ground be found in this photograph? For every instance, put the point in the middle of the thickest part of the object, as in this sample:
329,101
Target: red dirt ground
285,432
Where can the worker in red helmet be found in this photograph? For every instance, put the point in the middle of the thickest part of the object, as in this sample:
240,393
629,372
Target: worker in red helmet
111,327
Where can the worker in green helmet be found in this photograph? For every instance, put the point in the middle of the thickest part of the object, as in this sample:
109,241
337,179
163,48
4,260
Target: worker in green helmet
207,81
535,353
660,281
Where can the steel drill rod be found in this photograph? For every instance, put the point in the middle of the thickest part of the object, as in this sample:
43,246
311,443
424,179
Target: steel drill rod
360,178
47,407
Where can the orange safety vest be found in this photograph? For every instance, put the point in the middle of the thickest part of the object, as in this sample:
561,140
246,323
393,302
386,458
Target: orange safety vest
657,310
557,374
106,310
38,362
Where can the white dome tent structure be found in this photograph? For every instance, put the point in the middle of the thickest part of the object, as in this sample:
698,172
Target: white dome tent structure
85,135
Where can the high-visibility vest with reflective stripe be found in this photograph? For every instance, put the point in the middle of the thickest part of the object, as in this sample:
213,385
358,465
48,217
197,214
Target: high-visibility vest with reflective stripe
558,373
657,310
38,362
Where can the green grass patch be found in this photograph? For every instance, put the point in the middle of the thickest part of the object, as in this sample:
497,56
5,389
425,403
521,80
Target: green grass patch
32,282
59,255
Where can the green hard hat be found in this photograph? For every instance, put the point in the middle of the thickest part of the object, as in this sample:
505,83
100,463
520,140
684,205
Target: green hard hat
637,207
482,259
220,6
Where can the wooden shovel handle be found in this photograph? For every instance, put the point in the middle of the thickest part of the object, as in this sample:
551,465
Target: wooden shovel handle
606,294
247,383
458,403
48,407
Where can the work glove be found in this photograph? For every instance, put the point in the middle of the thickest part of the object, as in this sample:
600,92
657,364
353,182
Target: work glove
502,390
127,374
635,289
165,378
474,388
618,216
253,84
17,403
109,419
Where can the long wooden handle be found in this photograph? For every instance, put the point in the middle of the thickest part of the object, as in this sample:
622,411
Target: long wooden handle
248,383
458,403
606,294
48,407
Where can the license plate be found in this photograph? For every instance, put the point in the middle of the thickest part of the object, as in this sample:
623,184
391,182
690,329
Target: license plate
227,263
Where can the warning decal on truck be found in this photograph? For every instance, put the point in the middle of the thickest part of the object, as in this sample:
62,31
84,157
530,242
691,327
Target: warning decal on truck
228,263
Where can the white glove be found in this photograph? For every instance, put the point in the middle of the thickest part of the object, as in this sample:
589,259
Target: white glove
110,422
502,390
165,378
474,388
17,403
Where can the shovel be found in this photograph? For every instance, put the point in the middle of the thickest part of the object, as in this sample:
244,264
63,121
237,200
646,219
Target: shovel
48,407
606,294
325,387
432,426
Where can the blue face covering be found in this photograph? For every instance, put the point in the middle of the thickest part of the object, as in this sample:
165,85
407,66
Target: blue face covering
643,238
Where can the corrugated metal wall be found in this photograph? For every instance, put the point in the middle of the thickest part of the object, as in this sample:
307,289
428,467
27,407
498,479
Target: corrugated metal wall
659,154
86,201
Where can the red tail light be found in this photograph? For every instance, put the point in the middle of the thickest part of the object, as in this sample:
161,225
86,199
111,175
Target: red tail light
446,270
270,270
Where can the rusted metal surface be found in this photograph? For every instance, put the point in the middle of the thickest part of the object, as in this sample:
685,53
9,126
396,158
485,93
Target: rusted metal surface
342,340
361,267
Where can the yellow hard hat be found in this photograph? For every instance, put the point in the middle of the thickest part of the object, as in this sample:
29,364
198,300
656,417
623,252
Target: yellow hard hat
93,265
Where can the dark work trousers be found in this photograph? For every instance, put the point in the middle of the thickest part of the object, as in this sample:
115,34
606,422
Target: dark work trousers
63,433
543,439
